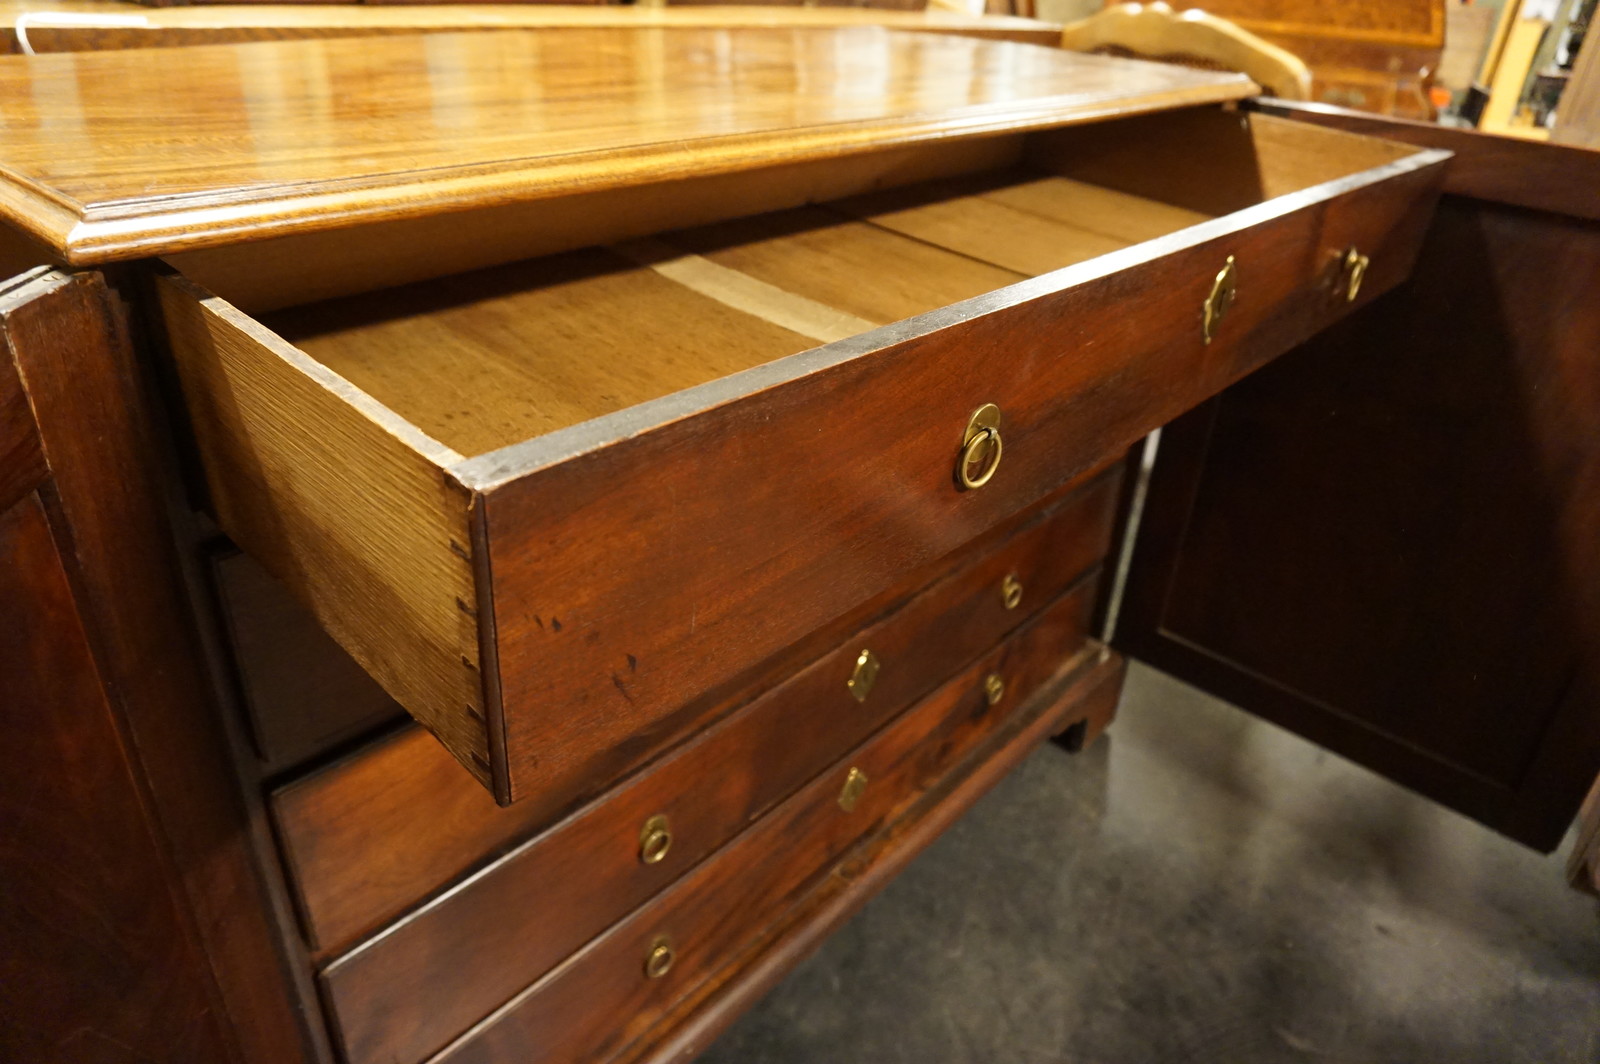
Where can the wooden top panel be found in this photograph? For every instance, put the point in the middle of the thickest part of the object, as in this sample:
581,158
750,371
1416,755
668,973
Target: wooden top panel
109,155
94,25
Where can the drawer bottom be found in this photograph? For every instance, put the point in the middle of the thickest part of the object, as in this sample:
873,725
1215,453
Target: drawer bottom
662,982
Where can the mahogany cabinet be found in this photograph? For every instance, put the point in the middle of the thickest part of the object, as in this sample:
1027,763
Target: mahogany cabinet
1369,55
569,546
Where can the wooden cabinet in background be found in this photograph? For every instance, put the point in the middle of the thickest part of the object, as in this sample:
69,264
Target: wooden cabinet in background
1371,55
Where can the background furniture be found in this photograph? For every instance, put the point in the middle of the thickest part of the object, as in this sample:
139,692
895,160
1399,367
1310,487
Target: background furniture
1155,31
1373,55
89,25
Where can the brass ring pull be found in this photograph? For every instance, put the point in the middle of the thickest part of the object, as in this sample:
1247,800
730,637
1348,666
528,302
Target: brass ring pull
655,839
1355,270
1011,591
658,962
981,448
994,688
987,440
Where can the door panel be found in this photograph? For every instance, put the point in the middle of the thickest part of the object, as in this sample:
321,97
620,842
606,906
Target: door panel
134,924
94,960
1386,540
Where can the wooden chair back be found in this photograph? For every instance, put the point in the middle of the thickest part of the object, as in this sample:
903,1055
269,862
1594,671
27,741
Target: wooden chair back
1155,31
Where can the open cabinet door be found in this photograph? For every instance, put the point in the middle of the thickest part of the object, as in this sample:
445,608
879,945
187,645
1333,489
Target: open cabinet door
1388,541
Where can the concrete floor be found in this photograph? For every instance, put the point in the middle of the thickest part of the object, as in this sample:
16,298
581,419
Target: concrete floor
1202,887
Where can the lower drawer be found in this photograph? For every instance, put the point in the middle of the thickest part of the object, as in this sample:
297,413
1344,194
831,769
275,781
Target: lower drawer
379,832
497,931
610,991
606,998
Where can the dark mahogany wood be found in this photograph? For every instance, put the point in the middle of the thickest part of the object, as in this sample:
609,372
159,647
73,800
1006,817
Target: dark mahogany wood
67,338
600,1000
301,690
1386,540
379,831
21,459
1376,55
96,962
1077,376
1082,695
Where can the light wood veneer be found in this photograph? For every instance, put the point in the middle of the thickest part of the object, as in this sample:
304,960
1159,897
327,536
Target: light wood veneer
263,139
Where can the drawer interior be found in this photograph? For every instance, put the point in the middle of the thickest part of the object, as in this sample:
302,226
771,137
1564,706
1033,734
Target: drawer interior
486,359
440,469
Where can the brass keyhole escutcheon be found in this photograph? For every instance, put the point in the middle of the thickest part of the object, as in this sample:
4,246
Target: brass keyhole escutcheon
1355,270
1011,591
655,839
863,676
1220,301
994,688
658,961
855,784
981,448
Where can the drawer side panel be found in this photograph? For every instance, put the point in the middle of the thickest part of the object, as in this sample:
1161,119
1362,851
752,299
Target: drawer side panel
346,504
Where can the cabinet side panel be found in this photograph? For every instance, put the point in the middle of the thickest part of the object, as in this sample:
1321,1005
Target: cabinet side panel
95,963
347,505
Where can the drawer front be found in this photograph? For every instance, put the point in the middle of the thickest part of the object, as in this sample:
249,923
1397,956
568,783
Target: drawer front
495,931
561,609
375,834
602,997
845,476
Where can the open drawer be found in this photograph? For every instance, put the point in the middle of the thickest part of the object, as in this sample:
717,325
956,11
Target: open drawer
554,506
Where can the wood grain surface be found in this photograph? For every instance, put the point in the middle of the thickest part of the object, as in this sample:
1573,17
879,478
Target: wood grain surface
300,268
93,25
287,445
1077,377
375,834
302,692
1561,178
257,140
21,457
1385,540
95,959
600,1000
1376,55
108,503
449,964
1085,691
601,533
